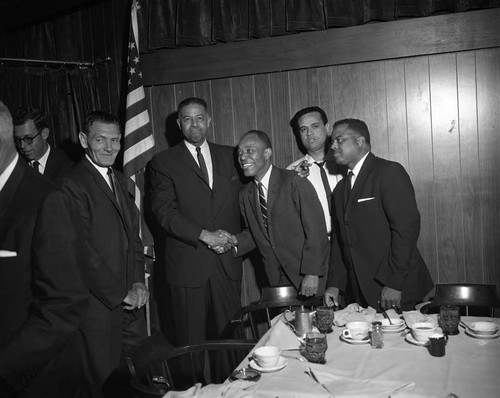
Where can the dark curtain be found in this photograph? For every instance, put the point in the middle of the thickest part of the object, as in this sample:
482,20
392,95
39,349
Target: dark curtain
63,95
177,23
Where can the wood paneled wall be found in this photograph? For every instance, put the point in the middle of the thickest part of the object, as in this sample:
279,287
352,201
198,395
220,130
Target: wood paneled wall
438,115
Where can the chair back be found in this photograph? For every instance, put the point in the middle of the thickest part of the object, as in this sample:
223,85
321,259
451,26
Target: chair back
178,368
253,320
474,299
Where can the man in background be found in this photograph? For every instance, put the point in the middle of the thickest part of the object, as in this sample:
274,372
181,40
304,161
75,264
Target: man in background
312,127
44,297
283,219
116,319
377,225
194,193
31,132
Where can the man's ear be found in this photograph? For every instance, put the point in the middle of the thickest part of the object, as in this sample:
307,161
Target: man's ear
45,133
268,152
83,140
328,130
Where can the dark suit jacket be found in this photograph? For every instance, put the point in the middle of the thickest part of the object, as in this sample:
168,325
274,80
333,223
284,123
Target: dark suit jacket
114,249
184,205
58,165
44,297
297,239
378,232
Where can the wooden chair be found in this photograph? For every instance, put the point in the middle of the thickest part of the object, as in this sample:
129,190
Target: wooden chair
178,368
273,300
474,299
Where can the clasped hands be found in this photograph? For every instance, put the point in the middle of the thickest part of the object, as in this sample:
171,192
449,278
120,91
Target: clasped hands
219,241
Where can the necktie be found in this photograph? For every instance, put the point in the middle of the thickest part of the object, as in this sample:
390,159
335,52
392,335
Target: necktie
36,165
203,165
112,180
263,204
326,184
347,188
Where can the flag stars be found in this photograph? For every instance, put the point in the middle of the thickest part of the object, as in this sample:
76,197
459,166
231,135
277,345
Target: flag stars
136,60
132,71
131,45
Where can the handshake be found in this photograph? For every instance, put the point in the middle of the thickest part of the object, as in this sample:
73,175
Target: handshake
219,241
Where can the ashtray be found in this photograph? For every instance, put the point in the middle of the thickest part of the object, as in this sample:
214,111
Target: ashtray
245,374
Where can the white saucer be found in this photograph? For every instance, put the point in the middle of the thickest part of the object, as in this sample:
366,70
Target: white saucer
355,342
482,336
282,362
409,338
400,329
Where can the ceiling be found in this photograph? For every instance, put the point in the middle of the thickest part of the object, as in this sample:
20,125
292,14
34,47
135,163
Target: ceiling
18,13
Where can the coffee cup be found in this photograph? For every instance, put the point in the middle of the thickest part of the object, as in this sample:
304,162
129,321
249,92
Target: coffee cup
267,357
437,344
356,330
422,330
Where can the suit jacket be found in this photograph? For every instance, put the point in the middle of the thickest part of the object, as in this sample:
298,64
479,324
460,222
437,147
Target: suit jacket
114,249
378,230
296,238
183,205
58,165
42,288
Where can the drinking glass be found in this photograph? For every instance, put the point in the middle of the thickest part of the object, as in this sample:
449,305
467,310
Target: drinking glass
315,347
324,318
449,318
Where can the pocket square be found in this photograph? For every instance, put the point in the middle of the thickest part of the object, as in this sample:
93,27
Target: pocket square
7,253
366,199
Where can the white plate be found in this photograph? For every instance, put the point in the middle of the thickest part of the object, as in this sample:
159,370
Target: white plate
409,338
482,336
282,362
355,342
400,329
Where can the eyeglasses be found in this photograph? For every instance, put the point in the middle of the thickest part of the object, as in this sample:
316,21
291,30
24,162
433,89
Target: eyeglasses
341,140
27,139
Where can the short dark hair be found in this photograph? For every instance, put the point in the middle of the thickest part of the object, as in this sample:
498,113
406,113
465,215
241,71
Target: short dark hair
260,135
24,114
98,116
356,125
307,110
191,101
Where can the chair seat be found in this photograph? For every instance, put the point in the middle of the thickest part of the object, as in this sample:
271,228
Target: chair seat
466,295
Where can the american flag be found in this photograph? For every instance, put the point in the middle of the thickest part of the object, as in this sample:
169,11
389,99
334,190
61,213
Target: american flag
139,139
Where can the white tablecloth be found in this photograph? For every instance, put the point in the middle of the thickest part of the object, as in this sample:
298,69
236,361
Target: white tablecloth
470,368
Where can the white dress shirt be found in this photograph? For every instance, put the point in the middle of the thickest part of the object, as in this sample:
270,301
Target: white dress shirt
205,151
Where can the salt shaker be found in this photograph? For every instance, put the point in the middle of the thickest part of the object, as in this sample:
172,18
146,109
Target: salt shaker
377,335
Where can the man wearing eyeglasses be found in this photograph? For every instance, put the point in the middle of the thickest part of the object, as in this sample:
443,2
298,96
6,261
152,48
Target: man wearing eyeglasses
377,226
31,132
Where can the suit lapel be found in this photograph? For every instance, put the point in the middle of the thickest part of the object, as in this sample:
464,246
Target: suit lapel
272,192
188,159
255,205
360,181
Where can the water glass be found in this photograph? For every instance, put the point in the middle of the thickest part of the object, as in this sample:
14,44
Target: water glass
324,318
449,318
315,347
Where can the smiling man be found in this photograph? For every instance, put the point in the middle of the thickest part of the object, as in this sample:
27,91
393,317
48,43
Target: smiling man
283,219
378,224
312,128
116,319
31,132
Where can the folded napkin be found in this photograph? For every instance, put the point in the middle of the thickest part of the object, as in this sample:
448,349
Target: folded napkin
411,317
235,389
283,337
354,312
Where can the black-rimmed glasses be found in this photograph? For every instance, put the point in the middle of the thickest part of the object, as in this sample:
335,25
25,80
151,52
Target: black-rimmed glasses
27,139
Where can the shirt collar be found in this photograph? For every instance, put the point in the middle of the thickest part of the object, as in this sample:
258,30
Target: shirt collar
102,170
265,179
358,166
4,177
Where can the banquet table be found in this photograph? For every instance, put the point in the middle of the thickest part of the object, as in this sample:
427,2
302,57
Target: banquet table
470,368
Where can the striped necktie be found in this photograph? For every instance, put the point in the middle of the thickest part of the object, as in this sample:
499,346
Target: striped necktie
263,204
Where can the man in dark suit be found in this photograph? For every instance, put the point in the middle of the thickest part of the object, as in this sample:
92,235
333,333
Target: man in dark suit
194,193
378,223
45,299
283,219
114,250
31,132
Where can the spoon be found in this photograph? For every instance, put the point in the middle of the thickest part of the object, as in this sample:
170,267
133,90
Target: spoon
387,317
